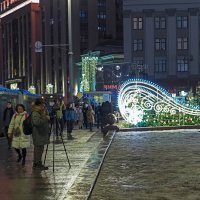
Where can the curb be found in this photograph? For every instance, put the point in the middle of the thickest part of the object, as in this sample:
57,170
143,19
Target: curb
160,128
92,168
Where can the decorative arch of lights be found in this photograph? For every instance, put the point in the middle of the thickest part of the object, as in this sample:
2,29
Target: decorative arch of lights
138,96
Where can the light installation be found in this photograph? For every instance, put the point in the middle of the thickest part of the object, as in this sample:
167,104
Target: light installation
138,97
88,82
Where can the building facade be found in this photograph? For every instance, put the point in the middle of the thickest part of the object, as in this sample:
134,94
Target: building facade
164,36
19,31
93,22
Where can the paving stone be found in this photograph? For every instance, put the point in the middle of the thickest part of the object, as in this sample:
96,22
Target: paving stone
162,165
26,184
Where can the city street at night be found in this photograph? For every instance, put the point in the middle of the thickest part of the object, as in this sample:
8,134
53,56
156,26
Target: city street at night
120,80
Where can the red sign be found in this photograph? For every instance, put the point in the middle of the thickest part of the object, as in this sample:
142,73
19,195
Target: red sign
111,87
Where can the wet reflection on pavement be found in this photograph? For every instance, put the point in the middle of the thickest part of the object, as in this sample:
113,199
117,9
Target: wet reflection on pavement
27,184
163,165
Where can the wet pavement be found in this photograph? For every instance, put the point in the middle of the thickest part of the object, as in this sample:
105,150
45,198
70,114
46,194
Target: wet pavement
162,165
156,165
84,153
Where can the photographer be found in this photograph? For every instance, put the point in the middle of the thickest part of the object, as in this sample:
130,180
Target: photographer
40,135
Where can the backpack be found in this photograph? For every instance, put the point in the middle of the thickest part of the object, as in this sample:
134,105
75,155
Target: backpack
27,126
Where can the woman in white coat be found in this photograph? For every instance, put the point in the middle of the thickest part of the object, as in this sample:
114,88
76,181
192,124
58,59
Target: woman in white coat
15,131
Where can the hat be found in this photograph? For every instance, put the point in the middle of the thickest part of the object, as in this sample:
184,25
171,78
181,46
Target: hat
39,102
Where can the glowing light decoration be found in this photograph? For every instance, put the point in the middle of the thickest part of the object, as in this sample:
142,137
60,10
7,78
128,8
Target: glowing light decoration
138,96
88,82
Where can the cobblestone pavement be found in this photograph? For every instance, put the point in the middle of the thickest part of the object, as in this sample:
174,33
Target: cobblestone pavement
17,183
162,165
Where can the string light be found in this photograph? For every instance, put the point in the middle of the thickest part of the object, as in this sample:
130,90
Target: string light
138,96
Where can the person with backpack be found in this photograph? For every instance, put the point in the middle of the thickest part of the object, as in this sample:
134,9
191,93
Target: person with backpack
7,116
40,132
20,141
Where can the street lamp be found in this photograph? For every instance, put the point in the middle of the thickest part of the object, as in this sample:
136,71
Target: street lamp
70,53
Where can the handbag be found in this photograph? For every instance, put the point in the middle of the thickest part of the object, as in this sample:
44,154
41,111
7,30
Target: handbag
16,132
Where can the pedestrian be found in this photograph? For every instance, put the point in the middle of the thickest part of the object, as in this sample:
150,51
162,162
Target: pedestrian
106,109
40,133
80,117
59,107
98,115
7,116
70,117
90,117
15,131
84,110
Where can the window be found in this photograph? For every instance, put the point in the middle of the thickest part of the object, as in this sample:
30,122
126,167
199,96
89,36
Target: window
137,23
138,61
182,65
160,22
101,27
83,14
101,15
182,22
160,65
160,44
137,45
182,43
101,3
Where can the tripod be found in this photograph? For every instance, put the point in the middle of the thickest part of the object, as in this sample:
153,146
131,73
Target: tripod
56,127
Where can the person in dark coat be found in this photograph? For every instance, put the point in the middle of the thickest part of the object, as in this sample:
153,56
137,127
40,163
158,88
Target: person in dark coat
7,116
84,110
98,115
70,116
40,134
106,109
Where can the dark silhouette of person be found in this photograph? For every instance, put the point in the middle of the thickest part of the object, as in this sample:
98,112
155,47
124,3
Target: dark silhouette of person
7,116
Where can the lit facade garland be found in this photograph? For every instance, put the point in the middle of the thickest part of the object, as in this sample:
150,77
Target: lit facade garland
88,82
138,96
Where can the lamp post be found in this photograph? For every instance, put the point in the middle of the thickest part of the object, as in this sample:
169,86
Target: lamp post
70,53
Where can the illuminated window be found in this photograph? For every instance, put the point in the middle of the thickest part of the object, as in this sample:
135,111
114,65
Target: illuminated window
137,45
182,43
182,65
182,22
160,44
137,23
160,65
160,22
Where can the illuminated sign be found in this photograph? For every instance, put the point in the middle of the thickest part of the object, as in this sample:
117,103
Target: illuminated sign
9,6
14,86
112,87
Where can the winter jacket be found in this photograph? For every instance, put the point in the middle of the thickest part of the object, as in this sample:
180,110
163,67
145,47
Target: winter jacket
7,116
40,124
90,116
70,114
79,114
21,141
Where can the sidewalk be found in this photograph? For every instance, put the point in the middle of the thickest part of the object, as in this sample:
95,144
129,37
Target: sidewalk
85,154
